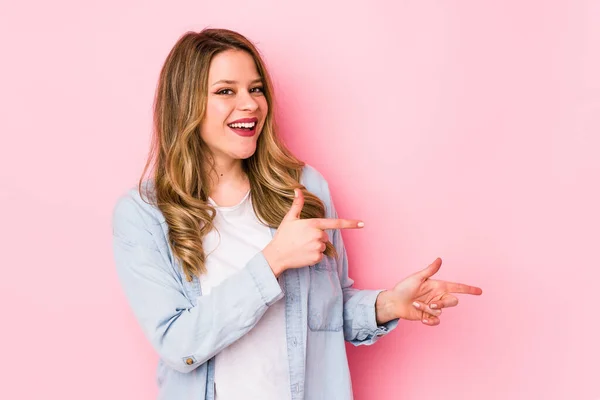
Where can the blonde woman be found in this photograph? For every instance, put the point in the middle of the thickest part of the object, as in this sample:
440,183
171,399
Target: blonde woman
230,253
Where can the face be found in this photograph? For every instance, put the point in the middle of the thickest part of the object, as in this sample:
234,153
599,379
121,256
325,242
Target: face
236,106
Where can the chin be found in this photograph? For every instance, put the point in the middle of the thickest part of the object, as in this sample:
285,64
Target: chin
242,155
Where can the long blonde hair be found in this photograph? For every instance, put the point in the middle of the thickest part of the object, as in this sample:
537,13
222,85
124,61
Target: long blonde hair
178,156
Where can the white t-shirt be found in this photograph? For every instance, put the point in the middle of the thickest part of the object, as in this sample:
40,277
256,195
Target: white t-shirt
256,365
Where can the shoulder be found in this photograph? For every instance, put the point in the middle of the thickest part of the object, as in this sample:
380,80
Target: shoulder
314,181
134,213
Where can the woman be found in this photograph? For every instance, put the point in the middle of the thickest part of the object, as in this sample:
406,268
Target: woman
231,255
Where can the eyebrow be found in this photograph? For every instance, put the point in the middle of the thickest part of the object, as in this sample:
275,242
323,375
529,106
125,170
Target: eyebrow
229,82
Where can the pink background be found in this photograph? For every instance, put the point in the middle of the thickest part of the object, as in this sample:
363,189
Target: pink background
466,130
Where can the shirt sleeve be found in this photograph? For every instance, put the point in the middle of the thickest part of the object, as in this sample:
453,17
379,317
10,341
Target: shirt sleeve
185,335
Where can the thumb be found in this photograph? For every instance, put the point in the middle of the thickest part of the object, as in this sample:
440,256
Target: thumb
431,270
296,208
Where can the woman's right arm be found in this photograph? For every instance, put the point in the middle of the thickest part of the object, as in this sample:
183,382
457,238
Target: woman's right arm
185,336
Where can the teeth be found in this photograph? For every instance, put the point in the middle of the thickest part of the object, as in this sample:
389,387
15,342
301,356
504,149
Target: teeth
248,125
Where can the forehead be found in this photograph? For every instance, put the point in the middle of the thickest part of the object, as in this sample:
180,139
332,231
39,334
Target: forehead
235,65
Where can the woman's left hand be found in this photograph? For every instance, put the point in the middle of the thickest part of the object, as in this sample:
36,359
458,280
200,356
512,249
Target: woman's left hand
420,298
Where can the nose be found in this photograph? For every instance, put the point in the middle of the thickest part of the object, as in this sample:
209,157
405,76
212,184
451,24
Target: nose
246,101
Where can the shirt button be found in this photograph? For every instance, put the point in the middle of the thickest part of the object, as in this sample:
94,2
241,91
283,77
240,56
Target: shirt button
296,388
291,296
189,361
294,342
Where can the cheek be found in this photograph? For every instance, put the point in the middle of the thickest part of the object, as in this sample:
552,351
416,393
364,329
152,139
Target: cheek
217,113
264,106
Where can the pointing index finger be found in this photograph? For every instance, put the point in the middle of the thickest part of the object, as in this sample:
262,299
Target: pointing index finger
338,223
462,288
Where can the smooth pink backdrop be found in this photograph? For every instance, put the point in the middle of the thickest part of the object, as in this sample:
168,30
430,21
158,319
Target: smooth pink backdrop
461,129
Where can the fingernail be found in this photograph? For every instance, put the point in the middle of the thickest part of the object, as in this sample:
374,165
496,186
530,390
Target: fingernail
295,193
425,321
361,224
433,306
417,305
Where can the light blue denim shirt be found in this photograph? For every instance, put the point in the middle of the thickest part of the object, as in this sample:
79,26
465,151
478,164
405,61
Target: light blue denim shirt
322,309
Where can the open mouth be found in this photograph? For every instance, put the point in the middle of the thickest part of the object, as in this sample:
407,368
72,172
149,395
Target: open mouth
243,125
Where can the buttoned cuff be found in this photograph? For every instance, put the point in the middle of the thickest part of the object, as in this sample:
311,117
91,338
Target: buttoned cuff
365,321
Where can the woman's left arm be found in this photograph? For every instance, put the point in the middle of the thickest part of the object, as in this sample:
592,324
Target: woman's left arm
370,314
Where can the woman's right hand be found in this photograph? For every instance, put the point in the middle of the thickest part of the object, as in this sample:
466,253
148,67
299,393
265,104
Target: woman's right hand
301,242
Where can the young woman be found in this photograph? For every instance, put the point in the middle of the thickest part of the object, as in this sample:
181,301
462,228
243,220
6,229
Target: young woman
231,254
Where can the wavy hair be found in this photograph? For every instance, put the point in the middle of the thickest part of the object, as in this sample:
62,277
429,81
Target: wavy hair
181,162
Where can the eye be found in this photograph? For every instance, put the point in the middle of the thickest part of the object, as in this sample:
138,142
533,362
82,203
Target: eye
225,91
258,89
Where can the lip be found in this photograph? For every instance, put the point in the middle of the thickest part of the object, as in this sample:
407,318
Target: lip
244,120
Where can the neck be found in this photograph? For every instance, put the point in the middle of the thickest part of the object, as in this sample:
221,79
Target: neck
228,173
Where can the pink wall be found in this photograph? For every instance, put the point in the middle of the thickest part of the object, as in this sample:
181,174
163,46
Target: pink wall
466,130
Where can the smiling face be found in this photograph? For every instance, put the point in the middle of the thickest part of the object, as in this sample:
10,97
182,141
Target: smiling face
236,106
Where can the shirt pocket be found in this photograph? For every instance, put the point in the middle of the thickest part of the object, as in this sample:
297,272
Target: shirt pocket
325,297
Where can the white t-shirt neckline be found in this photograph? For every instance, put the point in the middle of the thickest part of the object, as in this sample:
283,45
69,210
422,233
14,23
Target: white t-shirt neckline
229,208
